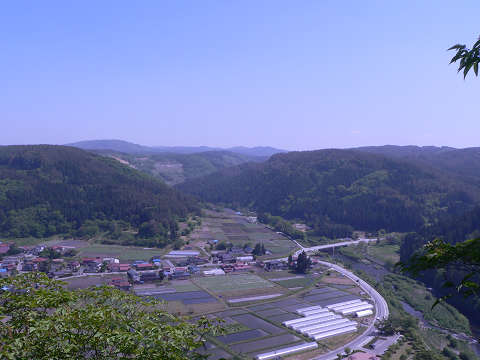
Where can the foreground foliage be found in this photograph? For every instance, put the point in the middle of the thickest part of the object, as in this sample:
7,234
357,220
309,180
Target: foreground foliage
468,58
46,321
460,263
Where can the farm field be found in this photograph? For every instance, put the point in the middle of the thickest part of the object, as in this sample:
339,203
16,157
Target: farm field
227,283
297,282
123,253
251,305
263,331
228,227
252,328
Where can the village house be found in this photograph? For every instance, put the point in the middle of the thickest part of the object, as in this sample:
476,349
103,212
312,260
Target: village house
4,248
242,268
145,266
227,268
226,258
180,273
151,276
213,272
29,266
60,273
236,250
121,284
274,265
119,267
42,264
74,265
92,265
246,258
133,276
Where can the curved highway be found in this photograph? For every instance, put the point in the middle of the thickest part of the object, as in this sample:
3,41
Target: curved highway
381,307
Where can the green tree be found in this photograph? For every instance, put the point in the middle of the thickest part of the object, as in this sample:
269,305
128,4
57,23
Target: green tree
290,261
461,257
259,250
47,321
303,263
469,58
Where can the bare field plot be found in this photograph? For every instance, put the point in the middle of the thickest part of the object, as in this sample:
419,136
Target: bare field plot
178,307
261,307
215,353
186,296
253,322
183,285
284,317
336,341
336,300
271,312
226,283
282,274
335,278
268,343
295,282
241,336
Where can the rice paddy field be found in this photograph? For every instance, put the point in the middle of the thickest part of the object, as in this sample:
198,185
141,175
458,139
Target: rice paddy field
262,329
231,228
254,327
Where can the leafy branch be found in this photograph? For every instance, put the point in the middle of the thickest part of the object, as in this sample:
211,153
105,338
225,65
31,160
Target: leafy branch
469,58
463,257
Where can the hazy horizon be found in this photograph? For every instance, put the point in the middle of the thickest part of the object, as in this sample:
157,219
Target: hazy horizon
294,76
233,146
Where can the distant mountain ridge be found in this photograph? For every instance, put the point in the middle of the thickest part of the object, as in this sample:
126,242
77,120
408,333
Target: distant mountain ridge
175,168
456,162
131,148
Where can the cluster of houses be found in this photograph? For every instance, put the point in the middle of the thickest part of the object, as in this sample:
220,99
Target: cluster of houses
176,265
28,258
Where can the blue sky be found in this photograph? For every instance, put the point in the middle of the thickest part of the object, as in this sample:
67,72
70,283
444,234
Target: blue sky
290,74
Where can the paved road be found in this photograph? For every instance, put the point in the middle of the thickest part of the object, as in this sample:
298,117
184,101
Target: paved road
381,308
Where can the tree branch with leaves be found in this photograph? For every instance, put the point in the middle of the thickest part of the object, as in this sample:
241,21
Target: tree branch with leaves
44,320
469,58
461,258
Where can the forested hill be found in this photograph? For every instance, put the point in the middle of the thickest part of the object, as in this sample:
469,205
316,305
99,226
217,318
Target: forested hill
331,188
174,168
47,190
457,162
452,229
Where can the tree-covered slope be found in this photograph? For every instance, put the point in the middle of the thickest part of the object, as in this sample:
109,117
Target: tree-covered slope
355,188
175,168
47,190
456,162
